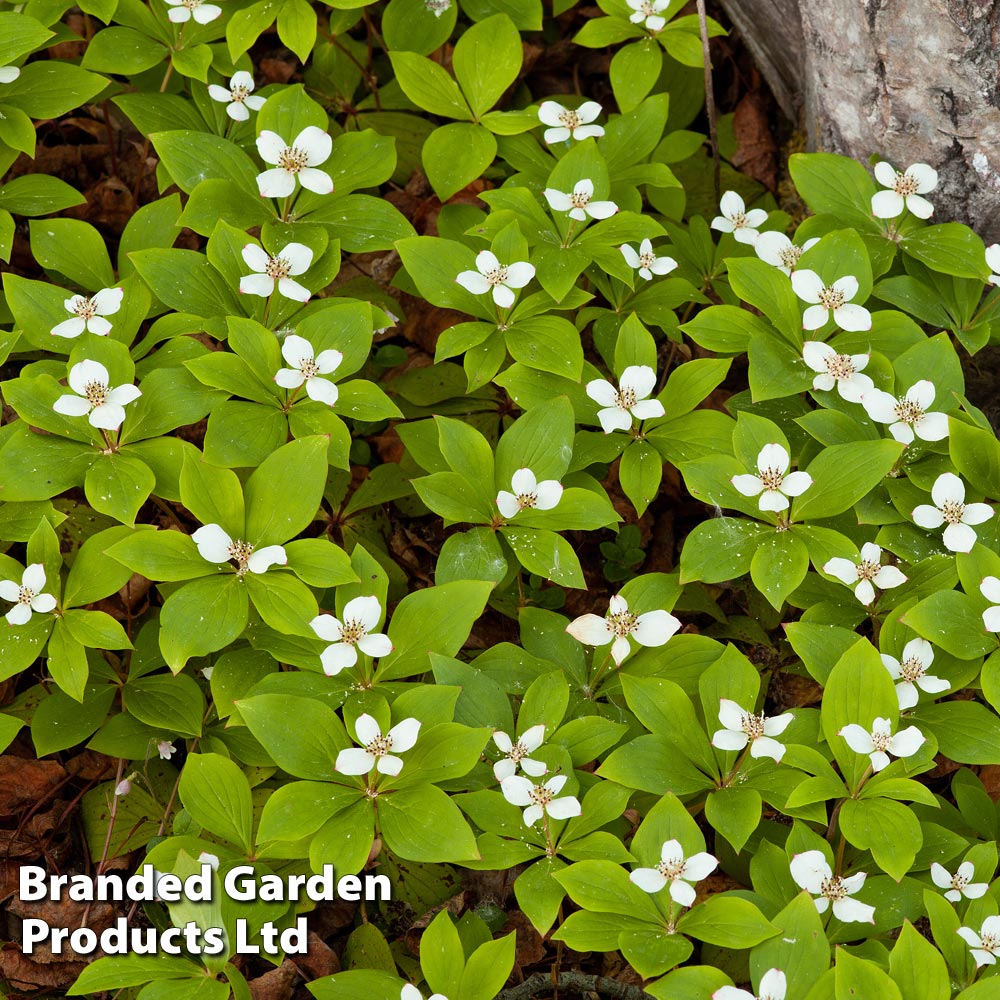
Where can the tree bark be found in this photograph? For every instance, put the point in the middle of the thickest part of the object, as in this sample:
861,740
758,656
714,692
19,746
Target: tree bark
908,80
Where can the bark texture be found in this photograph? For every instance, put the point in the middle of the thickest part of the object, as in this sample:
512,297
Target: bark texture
909,80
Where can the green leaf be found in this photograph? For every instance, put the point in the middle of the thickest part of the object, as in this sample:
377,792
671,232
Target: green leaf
727,921
72,248
953,621
842,474
175,704
217,795
275,513
888,829
856,978
436,619
548,344
49,88
201,617
965,730
429,86
118,485
185,281
640,472
917,967
123,50
442,834
779,565
836,185
547,554
950,248
486,60
119,972
735,813
720,549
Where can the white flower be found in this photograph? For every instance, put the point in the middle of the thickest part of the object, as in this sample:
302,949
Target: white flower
908,415
8,74
124,786
745,727
212,860
773,481
361,615
650,12
377,750
904,191
948,494
165,749
566,124
517,753
27,595
216,546
827,299
841,370
294,259
238,97
409,991
990,589
541,799
311,147
88,314
306,366
207,672
777,249
501,278
105,406
578,203
812,873
675,870
880,742
529,494
918,655
183,10
993,262
438,7
628,400
737,220
866,575
645,261
653,628
960,884
772,987
986,943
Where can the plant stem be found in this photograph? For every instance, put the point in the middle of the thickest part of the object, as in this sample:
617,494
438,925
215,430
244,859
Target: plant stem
713,132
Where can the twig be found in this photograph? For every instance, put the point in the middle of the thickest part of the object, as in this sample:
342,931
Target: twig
573,982
713,133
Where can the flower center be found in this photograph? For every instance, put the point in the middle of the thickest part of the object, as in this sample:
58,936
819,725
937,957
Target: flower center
831,298
867,570
84,308
497,276
647,9
352,631
438,6
540,795
959,882
240,552
291,158
239,94
905,184
308,367
647,260
191,4
96,393
989,942
753,726
380,746
25,595
525,501
881,741
772,478
570,119
789,256
277,268
738,219
912,670
840,365
579,199
952,511
625,398
833,888
623,623
517,752
672,868
908,412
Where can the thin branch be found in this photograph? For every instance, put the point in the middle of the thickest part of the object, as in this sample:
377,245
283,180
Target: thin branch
713,133
572,982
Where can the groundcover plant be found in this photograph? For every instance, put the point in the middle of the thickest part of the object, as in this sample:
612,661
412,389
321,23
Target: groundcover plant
434,477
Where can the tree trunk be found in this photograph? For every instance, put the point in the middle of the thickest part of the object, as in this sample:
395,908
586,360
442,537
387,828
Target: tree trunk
909,80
